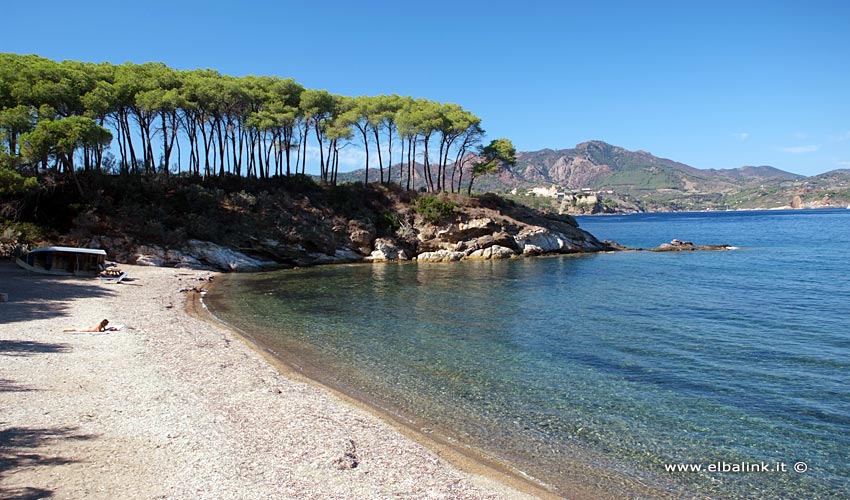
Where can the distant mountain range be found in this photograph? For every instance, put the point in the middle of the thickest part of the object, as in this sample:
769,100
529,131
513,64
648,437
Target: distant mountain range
599,165
639,181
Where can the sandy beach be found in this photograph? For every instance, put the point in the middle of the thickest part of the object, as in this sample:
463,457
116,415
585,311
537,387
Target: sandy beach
173,406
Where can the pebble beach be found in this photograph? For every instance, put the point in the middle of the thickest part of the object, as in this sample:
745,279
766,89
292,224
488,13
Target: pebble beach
176,406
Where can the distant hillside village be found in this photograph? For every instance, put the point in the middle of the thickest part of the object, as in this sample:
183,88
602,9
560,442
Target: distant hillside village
575,201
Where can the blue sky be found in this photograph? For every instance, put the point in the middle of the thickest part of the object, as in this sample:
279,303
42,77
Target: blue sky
711,84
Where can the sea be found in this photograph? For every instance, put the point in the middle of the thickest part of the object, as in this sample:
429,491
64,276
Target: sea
709,374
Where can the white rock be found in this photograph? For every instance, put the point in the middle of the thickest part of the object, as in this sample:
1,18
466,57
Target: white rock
341,255
541,240
440,256
467,230
177,258
386,250
500,252
479,254
222,257
492,252
150,255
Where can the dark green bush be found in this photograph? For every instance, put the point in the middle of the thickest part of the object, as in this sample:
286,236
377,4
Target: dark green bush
12,183
388,223
21,232
434,209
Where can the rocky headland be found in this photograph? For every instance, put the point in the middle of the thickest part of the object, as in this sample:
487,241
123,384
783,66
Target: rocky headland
471,228
248,227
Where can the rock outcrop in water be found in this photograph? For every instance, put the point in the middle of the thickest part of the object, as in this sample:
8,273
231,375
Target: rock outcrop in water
687,246
493,228
673,246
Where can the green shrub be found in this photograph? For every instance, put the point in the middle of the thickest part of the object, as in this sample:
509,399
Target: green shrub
388,223
21,232
434,209
11,182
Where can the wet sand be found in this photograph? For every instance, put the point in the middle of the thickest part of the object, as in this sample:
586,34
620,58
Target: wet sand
176,406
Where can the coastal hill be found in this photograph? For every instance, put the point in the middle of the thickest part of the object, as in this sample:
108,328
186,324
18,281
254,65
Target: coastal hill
598,165
637,180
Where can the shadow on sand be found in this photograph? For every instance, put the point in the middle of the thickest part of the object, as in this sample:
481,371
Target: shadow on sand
34,296
25,493
7,385
19,448
30,347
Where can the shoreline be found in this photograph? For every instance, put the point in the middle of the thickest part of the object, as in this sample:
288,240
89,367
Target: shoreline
173,406
786,208
467,455
460,455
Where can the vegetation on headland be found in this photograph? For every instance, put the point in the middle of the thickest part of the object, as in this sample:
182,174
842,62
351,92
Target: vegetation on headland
152,154
67,116
283,221
129,212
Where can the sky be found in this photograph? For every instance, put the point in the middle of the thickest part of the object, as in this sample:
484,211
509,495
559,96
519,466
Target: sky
713,84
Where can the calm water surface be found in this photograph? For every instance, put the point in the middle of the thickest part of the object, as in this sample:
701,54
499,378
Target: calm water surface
595,372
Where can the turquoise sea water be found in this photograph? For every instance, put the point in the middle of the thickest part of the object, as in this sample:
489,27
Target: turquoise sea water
596,373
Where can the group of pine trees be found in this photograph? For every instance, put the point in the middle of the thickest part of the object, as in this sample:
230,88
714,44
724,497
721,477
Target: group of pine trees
67,116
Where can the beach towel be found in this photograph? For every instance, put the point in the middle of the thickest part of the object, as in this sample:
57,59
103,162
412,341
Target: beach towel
109,329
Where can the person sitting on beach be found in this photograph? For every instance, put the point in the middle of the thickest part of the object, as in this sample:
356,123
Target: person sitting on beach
99,328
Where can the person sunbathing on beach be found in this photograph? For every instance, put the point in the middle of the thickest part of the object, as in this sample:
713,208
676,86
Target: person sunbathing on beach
99,328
